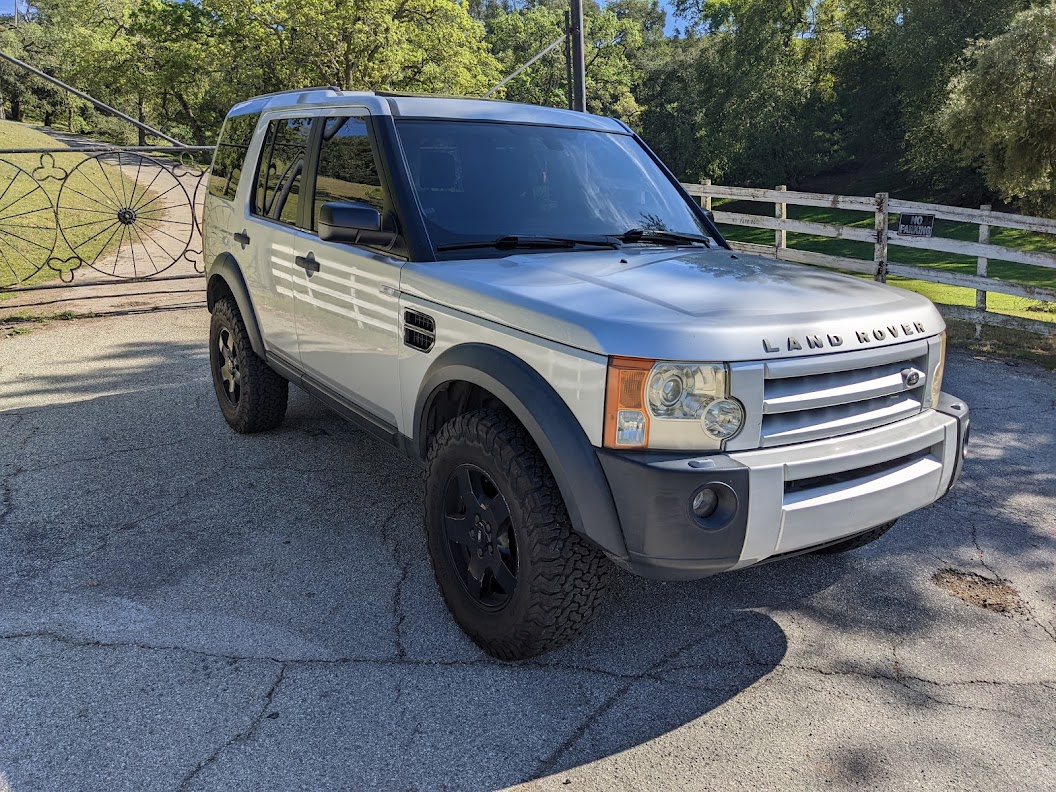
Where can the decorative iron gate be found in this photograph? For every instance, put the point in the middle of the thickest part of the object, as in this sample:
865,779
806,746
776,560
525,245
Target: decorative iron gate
99,213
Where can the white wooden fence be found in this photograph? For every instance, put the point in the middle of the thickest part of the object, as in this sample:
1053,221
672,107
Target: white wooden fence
882,238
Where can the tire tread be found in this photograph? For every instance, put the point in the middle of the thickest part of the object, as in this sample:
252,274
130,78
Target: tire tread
571,576
265,393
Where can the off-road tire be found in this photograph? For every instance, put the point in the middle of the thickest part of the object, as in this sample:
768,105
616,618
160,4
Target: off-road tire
856,541
262,396
561,579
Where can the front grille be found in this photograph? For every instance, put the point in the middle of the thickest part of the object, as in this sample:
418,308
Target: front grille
813,398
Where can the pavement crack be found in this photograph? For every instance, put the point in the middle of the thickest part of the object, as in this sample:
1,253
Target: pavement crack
243,736
110,453
654,673
7,496
901,678
978,548
404,566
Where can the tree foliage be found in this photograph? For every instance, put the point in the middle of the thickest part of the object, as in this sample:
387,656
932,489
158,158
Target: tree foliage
1000,112
746,91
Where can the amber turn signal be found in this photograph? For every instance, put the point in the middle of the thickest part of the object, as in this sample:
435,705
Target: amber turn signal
626,419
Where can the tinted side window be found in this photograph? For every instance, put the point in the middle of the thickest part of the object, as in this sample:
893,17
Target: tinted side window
347,170
280,170
230,155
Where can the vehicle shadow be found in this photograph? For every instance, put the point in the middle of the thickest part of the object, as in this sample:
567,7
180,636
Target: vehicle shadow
134,519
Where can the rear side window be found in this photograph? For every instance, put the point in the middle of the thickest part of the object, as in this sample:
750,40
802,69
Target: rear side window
347,170
280,170
231,149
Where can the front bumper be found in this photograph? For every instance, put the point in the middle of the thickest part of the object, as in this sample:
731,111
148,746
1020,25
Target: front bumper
785,499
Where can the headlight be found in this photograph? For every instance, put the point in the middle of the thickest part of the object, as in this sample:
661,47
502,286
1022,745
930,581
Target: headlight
940,369
669,405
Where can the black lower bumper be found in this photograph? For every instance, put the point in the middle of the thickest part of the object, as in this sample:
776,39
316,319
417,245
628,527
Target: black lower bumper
956,408
653,493
665,540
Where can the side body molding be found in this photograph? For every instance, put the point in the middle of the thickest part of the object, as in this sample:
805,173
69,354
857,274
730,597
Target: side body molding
552,426
224,270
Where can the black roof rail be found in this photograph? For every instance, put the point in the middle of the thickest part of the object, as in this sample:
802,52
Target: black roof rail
411,95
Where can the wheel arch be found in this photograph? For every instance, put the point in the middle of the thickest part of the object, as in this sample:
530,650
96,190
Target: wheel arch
557,433
224,279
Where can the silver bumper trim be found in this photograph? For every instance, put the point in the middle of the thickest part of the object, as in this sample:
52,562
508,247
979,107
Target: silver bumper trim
780,522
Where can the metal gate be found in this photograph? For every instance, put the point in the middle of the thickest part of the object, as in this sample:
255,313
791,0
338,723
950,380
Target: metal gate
100,213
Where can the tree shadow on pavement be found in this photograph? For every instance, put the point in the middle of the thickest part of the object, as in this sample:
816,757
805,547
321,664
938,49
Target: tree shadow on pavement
271,595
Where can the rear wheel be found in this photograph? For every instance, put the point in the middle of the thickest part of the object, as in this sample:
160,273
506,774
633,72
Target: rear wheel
514,574
252,396
856,541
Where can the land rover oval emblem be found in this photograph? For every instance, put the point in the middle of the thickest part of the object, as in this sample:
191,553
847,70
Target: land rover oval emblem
911,378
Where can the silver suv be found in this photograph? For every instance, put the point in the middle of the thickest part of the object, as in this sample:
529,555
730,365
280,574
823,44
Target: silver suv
527,301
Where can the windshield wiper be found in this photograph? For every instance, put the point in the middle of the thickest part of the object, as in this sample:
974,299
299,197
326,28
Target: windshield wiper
661,237
524,242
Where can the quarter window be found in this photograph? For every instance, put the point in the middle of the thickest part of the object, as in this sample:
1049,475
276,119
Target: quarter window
280,170
347,170
230,156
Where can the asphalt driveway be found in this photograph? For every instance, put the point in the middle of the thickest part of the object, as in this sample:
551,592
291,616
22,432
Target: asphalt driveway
182,608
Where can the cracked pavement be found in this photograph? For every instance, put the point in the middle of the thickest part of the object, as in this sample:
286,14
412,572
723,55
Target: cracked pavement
183,608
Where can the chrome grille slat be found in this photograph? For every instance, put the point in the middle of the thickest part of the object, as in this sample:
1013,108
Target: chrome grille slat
814,398
808,393
831,421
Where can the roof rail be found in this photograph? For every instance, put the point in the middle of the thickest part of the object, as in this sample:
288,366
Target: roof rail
299,90
408,94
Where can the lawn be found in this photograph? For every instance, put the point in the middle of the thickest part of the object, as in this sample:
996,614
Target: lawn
29,189
948,295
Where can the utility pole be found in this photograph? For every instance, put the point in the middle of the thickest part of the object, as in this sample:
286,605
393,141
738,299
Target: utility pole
568,57
16,13
579,81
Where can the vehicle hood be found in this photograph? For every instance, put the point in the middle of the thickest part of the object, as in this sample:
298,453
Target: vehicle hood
684,304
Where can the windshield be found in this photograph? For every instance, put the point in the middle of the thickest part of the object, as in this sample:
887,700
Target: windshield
484,181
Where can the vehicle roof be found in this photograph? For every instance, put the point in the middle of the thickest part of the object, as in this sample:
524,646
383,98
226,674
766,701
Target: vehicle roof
427,106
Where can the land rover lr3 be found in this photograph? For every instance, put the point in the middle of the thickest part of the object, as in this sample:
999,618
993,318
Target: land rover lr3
526,300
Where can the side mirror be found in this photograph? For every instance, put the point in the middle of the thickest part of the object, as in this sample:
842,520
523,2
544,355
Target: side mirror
355,222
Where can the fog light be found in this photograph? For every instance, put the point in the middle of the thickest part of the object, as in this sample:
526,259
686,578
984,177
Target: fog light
705,501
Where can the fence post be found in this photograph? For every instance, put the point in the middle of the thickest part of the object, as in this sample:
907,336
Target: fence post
880,250
705,195
781,213
980,269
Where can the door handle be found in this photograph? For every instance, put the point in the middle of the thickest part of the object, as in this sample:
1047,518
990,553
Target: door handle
308,263
242,238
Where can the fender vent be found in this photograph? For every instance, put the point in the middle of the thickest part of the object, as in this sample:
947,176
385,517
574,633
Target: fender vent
419,330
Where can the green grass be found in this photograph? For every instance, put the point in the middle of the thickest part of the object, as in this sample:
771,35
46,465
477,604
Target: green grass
940,293
1003,343
22,323
29,187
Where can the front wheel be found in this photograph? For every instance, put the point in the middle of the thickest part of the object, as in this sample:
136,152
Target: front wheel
514,574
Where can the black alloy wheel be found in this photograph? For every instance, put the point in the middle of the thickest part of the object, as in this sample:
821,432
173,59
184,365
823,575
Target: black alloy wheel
514,573
480,536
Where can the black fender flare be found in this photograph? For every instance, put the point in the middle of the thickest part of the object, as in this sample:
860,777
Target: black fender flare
225,268
556,431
